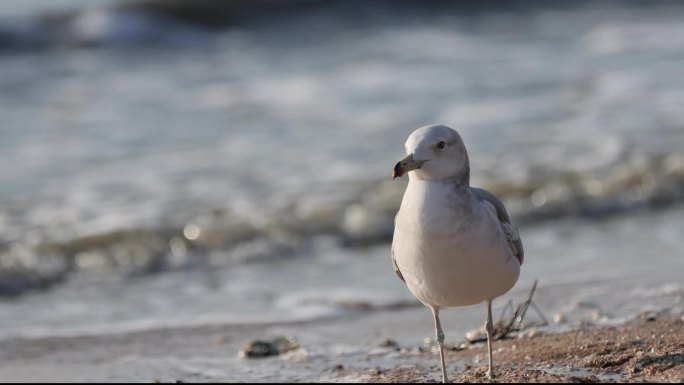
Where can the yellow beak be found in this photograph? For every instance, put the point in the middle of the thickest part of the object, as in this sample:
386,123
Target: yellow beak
405,165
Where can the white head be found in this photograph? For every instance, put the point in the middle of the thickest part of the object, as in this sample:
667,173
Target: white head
435,152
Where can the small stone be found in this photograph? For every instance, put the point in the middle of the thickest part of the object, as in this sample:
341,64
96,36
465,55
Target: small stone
457,348
338,367
476,335
285,344
648,315
256,349
559,318
274,347
298,355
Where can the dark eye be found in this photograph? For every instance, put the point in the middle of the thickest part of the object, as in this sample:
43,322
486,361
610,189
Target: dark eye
441,145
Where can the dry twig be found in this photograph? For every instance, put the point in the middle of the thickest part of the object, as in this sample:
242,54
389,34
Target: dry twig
515,322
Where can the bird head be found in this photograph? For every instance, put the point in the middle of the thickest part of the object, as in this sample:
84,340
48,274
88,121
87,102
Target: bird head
434,152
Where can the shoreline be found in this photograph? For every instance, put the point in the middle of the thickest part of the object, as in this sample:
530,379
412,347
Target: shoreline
646,347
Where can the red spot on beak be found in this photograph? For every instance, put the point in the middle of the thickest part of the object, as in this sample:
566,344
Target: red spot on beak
398,172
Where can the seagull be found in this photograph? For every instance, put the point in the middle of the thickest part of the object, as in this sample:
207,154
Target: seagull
453,245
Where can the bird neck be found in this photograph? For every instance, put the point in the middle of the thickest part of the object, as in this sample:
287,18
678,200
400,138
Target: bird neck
461,181
462,178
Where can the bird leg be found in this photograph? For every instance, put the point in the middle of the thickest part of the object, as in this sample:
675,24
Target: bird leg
440,340
489,328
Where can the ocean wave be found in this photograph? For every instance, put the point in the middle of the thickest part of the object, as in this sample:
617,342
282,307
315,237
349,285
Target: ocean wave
218,237
544,160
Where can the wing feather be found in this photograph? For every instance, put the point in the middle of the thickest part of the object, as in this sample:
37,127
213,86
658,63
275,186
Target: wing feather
394,265
394,262
512,235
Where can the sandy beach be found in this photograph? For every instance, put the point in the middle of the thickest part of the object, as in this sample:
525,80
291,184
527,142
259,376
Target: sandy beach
648,349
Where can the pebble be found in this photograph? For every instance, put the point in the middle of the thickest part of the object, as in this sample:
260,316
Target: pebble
298,355
265,348
458,347
476,335
648,315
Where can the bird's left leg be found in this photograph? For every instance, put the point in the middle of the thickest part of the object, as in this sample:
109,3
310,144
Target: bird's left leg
489,328
440,340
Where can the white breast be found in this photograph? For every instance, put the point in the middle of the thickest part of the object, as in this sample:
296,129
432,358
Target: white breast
450,248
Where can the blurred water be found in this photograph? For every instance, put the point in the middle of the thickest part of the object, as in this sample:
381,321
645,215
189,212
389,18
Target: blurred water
194,152
31,7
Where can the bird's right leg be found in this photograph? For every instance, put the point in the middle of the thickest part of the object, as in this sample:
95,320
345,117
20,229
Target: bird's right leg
489,328
440,340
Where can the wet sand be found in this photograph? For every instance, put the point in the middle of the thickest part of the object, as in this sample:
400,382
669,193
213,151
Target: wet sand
647,348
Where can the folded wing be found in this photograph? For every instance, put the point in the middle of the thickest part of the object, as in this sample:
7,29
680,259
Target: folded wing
512,235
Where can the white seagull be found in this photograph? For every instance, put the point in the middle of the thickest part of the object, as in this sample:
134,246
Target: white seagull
453,245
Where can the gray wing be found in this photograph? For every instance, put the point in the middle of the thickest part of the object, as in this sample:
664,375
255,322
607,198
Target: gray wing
394,263
514,241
